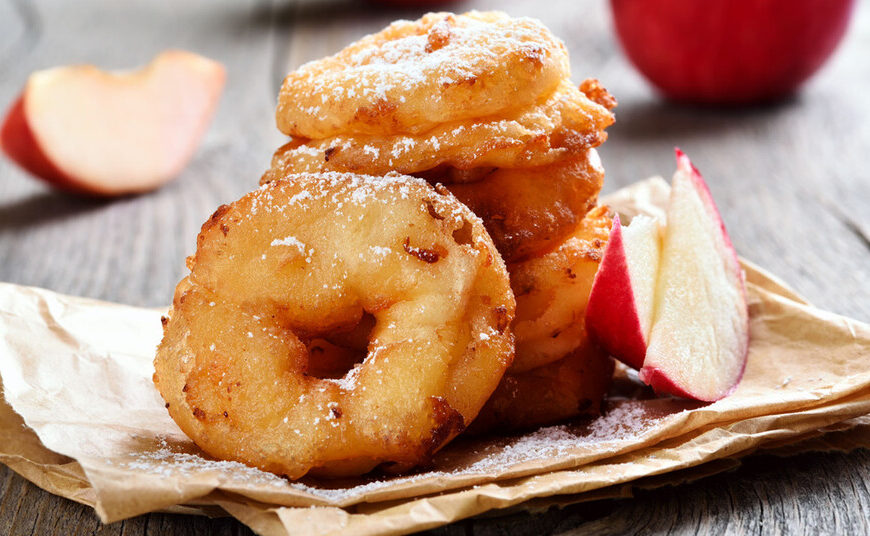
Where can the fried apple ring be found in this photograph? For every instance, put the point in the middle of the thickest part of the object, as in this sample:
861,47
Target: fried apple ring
529,211
552,291
563,124
574,385
412,76
305,259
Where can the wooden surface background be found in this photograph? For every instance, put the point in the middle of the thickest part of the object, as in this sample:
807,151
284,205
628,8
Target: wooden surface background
791,179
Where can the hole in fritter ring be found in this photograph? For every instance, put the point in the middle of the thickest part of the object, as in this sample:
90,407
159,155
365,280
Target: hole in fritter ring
332,356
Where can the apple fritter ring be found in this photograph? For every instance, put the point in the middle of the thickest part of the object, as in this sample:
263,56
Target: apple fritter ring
324,257
414,75
574,385
529,211
563,124
552,291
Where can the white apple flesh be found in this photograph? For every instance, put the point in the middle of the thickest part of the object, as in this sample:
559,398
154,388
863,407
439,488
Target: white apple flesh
699,340
100,133
620,310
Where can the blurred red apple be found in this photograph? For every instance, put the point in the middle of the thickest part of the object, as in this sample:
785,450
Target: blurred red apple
729,51
99,133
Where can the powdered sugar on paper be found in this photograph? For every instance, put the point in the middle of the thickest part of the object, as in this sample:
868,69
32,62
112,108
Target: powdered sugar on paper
623,424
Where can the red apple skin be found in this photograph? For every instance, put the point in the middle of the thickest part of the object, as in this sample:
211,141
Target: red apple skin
686,165
663,385
729,52
609,319
20,145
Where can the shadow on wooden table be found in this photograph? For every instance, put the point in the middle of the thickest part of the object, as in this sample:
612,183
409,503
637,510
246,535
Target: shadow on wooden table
45,207
656,118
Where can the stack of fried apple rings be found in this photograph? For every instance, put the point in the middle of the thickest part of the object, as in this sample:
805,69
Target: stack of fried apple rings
482,104
439,200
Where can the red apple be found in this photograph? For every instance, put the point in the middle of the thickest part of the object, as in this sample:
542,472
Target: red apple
674,305
729,51
699,339
98,133
620,308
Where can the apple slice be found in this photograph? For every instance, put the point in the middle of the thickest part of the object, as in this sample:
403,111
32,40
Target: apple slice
700,334
93,132
620,309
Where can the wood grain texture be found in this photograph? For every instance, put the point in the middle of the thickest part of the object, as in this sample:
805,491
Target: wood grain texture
791,180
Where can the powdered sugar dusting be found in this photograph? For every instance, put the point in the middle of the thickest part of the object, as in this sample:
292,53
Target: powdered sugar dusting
520,135
464,461
348,382
412,65
626,421
622,425
289,241
380,68
166,461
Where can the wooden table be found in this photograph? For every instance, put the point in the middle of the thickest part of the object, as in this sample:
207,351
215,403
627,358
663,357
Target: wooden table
792,181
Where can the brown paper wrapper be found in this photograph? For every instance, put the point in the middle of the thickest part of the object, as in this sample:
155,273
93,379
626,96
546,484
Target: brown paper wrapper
82,419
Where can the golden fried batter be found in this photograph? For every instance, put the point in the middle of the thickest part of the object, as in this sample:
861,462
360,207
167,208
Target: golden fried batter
529,211
552,291
306,259
570,387
415,75
564,124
